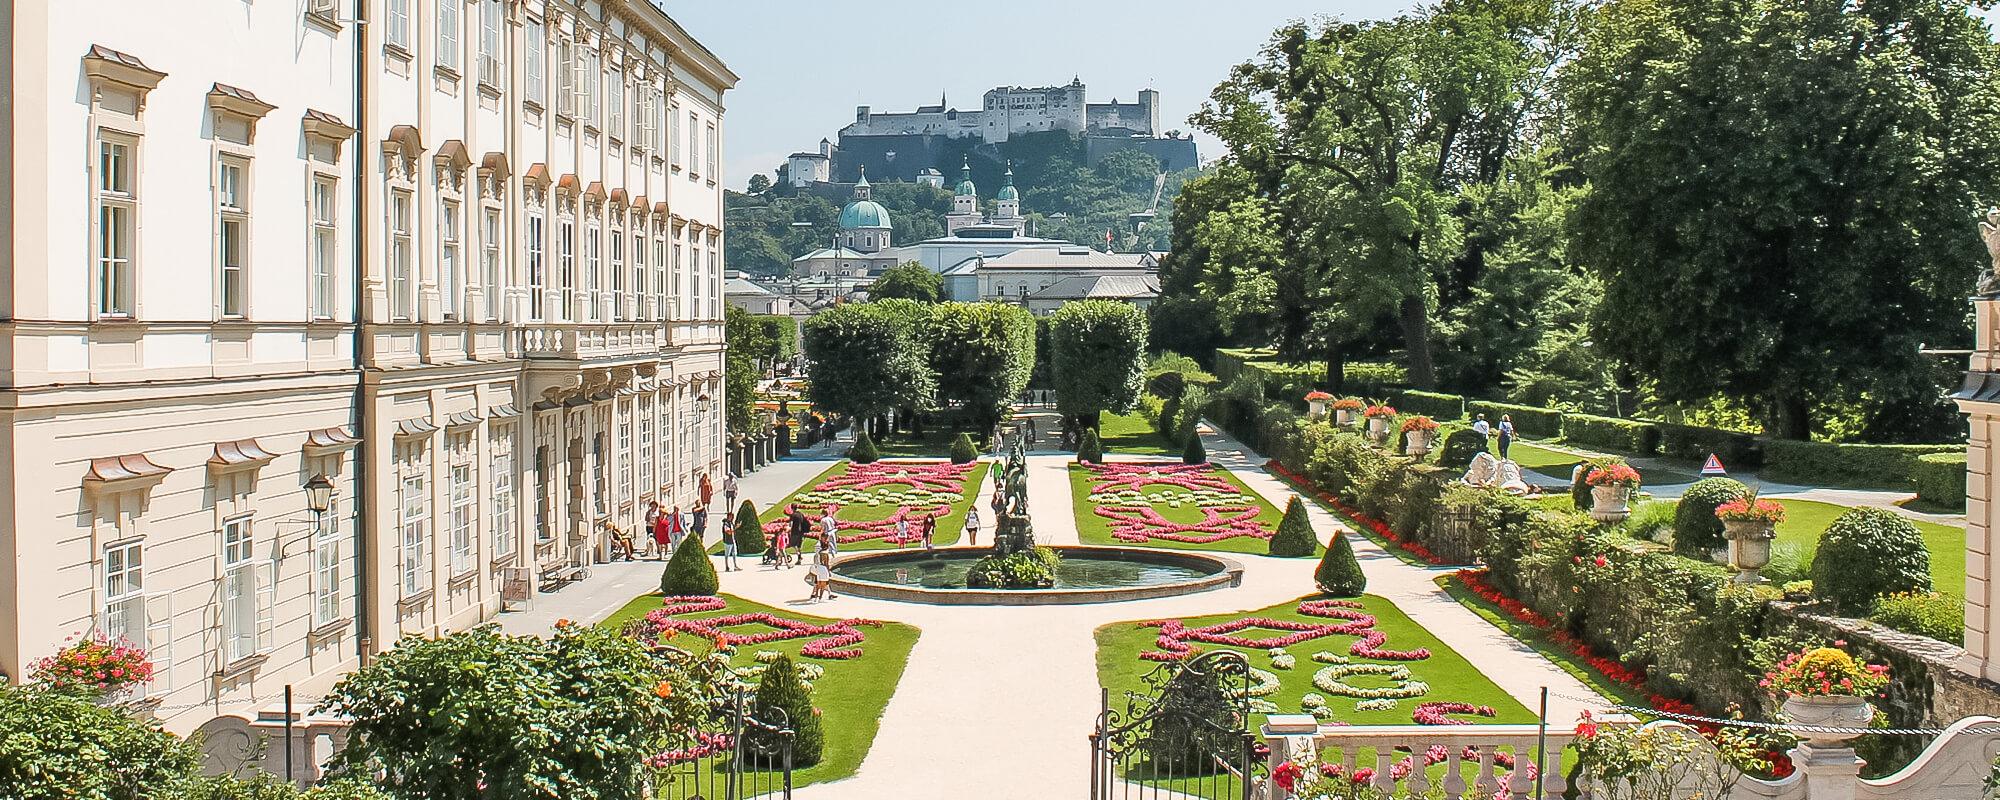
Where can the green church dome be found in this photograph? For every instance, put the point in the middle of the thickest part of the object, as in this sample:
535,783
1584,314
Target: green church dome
1008,192
864,214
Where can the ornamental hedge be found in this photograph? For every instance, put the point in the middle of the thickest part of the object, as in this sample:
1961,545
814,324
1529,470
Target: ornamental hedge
1611,433
1940,478
1431,404
1541,423
1738,450
1889,466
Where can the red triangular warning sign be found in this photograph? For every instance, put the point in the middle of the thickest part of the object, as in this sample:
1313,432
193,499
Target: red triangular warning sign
1713,466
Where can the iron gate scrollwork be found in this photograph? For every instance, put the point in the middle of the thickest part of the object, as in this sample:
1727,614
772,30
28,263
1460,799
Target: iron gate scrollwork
1186,736
741,752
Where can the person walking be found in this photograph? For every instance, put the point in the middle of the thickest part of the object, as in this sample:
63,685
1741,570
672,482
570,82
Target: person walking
822,572
729,494
780,540
662,536
829,532
1479,426
652,516
699,518
707,490
676,530
729,550
800,527
902,531
930,533
1506,434
972,526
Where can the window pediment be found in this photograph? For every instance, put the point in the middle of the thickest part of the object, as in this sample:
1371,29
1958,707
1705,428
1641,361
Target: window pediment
105,65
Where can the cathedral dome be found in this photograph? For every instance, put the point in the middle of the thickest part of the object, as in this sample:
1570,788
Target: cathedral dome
864,214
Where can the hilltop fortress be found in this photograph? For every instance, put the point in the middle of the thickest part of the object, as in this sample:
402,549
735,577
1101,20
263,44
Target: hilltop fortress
921,144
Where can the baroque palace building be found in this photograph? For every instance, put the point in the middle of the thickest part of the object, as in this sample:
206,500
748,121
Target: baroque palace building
461,259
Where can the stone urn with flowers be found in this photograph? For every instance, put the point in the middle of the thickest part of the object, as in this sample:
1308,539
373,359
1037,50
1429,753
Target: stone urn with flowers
1316,404
1379,416
1419,433
1611,486
1825,688
1345,409
1749,523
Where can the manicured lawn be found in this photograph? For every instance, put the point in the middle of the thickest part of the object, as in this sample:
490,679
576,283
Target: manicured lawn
935,443
1559,464
1805,520
1094,529
851,695
1451,677
1131,434
948,529
1539,640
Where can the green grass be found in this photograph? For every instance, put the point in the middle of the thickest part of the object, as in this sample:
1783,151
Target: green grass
1539,640
1131,434
935,443
851,696
948,530
1558,464
1805,520
1093,529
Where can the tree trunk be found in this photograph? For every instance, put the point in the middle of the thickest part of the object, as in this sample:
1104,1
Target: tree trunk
1336,368
1416,322
1794,417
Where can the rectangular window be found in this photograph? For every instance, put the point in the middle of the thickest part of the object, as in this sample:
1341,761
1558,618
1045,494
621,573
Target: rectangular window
591,263
492,21
614,101
694,280
232,211
124,594
675,296
567,265
694,144
708,142
538,279
648,470
461,514
543,496
325,244
674,136
117,230
402,272
413,517
447,44
600,473
537,41
399,23
618,273
586,84
659,130
503,493
660,276
624,451
450,280
489,268
565,77
326,567
638,268
239,589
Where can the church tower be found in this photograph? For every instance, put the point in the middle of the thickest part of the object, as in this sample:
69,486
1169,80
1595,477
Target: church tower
964,202
1008,204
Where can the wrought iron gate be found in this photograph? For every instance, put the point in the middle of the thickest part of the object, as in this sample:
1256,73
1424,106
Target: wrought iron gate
1185,737
740,757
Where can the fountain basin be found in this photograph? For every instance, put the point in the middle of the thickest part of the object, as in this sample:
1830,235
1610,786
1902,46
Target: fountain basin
1087,575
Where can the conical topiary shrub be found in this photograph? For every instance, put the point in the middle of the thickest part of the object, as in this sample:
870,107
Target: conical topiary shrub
863,451
1295,533
1194,453
749,532
783,698
1091,449
962,451
689,572
1339,574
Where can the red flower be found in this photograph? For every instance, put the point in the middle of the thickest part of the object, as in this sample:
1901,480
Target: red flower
1287,775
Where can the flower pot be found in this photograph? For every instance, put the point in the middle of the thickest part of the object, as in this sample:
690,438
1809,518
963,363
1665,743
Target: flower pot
1316,408
1417,443
1344,417
1378,429
1836,711
1608,503
1749,547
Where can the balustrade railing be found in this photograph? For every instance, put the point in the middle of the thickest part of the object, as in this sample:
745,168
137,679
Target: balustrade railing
582,340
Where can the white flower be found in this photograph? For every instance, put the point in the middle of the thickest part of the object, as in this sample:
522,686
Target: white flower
1375,705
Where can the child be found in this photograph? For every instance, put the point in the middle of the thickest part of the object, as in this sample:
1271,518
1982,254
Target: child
972,526
822,572
902,531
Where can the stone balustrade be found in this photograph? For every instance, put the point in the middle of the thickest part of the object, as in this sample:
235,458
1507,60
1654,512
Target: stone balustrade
590,341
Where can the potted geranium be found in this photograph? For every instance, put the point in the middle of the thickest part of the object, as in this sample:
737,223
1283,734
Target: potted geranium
96,666
1344,410
1749,523
1611,484
1827,688
1418,433
1316,402
1378,415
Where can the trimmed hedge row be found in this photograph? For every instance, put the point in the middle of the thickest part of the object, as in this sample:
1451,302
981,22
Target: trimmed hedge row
1436,405
1541,423
1611,433
1940,478
1738,450
1873,465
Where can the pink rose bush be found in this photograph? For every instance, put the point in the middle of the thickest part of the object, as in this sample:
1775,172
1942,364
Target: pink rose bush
840,644
96,665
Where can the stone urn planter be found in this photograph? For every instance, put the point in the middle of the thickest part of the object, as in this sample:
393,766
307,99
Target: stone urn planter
1840,711
1344,417
1749,547
1316,407
1418,443
1378,429
1609,503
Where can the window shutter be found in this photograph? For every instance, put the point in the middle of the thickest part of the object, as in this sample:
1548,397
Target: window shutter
160,641
267,605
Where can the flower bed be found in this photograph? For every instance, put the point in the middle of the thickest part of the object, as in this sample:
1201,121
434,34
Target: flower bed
841,644
1380,529
910,492
1174,635
1165,503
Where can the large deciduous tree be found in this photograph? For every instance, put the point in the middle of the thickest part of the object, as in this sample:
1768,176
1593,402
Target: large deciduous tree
865,359
982,354
1781,194
1099,358
910,280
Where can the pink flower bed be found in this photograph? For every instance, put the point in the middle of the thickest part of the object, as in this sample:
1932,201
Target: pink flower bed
1142,523
839,644
938,478
705,744
1175,635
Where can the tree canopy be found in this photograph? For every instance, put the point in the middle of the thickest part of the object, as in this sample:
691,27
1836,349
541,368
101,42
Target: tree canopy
982,354
866,358
1099,357
910,280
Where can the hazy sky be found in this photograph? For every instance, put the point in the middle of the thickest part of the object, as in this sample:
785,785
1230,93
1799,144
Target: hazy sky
805,65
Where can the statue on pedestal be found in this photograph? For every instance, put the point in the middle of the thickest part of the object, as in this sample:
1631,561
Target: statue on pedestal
1989,232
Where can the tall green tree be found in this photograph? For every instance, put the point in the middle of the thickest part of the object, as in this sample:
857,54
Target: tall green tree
865,359
910,280
1780,194
982,355
1099,358
747,340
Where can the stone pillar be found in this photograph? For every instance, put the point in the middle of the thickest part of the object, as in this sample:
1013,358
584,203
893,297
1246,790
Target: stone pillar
1979,398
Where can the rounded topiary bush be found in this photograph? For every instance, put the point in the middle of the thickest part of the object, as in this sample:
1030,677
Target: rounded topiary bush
962,451
1194,453
1460,448
1696,530
1091,449
1294,538
689,572
863,451
1339,573
782,697
749,532
1867,553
